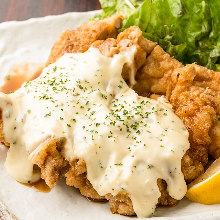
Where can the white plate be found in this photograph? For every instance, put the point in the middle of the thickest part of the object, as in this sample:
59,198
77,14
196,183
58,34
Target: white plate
30,41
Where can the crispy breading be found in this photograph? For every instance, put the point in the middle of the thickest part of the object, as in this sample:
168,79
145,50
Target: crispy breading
194,92
195,99
77,176
155,75
49,158
121,204
53,165
79,40
126,39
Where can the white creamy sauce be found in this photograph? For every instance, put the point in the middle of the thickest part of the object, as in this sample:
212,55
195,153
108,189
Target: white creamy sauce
127,141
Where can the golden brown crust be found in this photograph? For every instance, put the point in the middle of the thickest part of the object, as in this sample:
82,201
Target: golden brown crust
195,95
155,75
165,199
191,168
194,92
133,36
77,176
195,100
126,39
121,204
79,40
155,68
49,158
2,139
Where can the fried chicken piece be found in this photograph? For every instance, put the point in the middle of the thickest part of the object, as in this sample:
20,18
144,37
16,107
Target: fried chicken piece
77,176
194,92
75,171
79,40
121,204
126,39
48,155
155,75
197,94
49,158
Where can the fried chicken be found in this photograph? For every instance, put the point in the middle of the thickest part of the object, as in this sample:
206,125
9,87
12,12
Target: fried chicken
79,40
77,172
49,158
154,76
194,92
128,38
156,72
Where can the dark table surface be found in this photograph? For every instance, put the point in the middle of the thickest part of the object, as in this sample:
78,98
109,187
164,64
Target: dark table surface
24,9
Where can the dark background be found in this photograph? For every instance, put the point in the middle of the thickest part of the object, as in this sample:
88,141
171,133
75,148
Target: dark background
24,9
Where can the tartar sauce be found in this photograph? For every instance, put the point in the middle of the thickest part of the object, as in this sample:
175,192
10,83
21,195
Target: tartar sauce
127,141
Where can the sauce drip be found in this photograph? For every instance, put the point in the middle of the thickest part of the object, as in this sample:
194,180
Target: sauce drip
39,186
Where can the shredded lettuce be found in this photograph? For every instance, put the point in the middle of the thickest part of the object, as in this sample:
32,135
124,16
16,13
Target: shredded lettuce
189,30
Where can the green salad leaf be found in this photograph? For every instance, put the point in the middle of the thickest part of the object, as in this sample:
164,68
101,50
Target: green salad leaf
189,30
